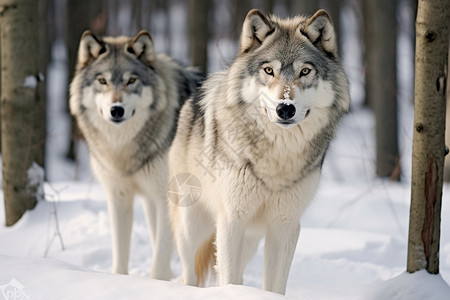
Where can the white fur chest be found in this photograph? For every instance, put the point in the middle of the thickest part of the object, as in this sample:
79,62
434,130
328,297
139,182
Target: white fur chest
114,145
284,156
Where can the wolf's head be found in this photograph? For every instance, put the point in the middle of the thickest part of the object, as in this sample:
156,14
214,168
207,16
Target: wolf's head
290,66
117,75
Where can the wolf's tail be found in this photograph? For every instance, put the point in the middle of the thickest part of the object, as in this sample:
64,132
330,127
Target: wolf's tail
205,259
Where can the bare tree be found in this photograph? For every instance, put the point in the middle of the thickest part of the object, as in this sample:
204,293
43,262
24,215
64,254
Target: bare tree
44,59
21,80
0,95
432,41
165,6
381,81
267,6
199,33
136,13
447,126
334,9
304,7
240,10
82,15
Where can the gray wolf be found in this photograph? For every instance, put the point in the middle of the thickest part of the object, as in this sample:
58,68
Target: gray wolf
255,136
126,100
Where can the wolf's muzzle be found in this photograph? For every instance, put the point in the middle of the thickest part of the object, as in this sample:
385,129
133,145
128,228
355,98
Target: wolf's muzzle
285,111
117,113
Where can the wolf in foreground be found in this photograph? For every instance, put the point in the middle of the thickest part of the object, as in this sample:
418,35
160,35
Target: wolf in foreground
126,100
255,137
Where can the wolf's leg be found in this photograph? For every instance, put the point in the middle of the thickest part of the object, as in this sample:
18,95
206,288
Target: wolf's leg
283,220
192,226
230,240
251,242
279,249
157,218
120,209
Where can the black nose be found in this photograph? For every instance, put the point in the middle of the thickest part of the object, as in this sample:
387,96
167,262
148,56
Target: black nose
285,111
117,112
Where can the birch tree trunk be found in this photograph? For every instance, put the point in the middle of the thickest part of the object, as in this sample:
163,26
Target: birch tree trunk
20,104
432,40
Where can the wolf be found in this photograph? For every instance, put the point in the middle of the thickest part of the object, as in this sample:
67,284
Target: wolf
126,100
255,137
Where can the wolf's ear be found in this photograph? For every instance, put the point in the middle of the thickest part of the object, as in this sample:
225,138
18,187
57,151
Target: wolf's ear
142,46
90,48
254,31
319,29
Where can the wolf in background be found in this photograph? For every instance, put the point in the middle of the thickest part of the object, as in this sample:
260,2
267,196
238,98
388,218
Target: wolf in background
269,118
126,100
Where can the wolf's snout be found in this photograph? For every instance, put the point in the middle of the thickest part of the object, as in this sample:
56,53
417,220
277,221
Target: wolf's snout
285,111
117,112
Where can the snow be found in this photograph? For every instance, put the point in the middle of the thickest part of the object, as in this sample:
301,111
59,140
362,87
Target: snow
410,286
69,282
352,246
35,174
353,241
31,81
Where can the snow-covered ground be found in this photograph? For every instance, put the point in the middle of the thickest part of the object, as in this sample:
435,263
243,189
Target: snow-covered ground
353,243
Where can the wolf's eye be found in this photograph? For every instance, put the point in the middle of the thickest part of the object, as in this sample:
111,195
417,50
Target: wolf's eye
305,71
102,81
269,71
131,80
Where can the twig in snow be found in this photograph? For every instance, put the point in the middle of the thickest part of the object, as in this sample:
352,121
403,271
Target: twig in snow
54,213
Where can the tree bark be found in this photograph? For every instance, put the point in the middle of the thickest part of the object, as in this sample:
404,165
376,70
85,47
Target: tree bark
199,33
136,13
381,81
334,9
267,7
20,104
0,94
432,40
304,7
447,126
44,59
240,11
82,15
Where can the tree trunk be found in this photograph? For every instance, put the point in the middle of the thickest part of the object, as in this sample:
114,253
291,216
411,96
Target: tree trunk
136,13
304,7
267,7
447,126
199,33
20,104
0,94
241,9
166,5
334,9
82,15
381,79
44,59
432,40
367,58
77,22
